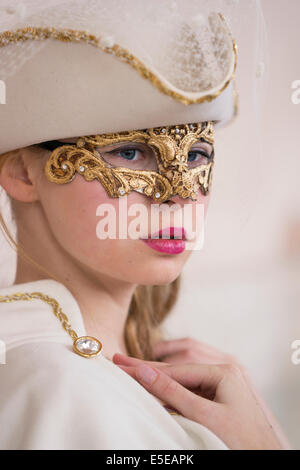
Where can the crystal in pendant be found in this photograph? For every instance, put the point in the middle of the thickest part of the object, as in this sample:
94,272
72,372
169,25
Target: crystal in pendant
87,346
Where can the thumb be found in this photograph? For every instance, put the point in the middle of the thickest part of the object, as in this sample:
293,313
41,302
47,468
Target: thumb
189,404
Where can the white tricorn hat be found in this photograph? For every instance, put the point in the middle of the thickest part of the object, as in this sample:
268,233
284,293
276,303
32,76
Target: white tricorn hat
74,68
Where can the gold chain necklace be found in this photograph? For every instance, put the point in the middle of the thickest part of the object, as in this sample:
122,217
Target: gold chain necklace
86,346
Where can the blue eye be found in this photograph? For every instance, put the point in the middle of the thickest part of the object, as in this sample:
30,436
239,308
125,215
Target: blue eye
194,154
129,154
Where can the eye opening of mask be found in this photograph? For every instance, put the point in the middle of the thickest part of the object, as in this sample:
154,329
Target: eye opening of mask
54,144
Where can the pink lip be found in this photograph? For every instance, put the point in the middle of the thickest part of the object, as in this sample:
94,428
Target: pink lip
167,244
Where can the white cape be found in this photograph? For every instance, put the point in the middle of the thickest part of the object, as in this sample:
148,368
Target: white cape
52,398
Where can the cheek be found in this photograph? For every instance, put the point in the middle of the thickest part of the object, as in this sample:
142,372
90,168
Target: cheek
71,212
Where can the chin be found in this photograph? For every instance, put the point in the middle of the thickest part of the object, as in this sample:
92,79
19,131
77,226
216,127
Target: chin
163,274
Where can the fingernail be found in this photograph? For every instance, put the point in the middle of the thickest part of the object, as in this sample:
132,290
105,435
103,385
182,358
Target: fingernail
119,357
146,374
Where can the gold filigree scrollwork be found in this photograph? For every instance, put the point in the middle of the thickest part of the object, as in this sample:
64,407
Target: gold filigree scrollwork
171,146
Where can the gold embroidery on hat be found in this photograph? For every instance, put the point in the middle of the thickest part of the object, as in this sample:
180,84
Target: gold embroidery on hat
171,146
69,35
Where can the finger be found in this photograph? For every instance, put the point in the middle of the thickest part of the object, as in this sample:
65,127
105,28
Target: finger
123,359
128,369
174,394
181,357
192,376
162,348
166,347
184,357
131,370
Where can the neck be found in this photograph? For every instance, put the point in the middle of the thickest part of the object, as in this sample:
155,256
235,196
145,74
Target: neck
104,305
104,302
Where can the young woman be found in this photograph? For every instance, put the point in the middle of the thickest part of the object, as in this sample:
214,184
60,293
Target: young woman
91,120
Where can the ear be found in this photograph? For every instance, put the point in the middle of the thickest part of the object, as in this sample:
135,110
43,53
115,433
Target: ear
17,175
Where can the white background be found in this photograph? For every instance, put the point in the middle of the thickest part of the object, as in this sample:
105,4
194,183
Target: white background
241,293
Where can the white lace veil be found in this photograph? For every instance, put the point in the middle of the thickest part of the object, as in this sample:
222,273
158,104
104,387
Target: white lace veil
153,31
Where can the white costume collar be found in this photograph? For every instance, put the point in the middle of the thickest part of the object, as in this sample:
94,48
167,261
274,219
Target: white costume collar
25,322
30,321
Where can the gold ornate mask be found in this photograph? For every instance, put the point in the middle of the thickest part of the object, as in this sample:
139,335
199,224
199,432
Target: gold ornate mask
167,168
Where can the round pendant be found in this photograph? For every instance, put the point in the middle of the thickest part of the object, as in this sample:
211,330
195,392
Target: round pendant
87,346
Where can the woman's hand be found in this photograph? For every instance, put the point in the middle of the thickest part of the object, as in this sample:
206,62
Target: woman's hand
216,396
187,350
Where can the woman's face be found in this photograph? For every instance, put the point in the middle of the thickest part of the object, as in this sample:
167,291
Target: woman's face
73,211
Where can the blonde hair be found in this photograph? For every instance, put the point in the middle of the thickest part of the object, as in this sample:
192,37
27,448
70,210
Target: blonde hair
149,306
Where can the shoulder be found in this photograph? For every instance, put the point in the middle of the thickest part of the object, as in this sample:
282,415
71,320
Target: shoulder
51,398
53,364
27,314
